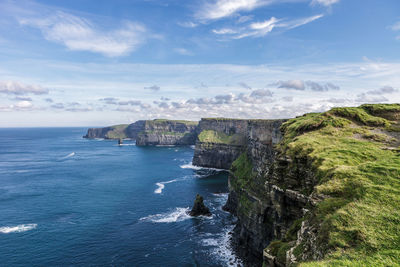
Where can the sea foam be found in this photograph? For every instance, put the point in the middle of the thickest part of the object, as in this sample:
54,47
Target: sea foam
221,247
17,229
177,215
70,155
161,186
190,166
193,167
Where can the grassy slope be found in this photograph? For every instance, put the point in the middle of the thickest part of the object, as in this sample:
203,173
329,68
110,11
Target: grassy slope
360,218
156,121
210,136
117,132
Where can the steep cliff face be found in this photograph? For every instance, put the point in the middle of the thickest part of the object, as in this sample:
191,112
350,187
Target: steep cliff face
111,132
219,142
167,132
150,132
216,155
318,190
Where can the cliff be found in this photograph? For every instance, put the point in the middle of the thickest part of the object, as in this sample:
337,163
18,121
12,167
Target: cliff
219,142
150,132
167,132
318,190
111,132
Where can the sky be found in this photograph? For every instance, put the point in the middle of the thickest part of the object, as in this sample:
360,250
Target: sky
100,62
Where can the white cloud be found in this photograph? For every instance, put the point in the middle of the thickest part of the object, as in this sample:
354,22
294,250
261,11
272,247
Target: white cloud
243,19
188,24
300,22
244,85
364,98
383,90
302,85
291,84
324,2
183,51
18,88
23,105
224,31
80,34
153,88
20,106
260,29
396,26
218,9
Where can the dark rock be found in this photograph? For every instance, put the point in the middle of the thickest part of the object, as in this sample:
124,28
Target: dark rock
199,208
120,141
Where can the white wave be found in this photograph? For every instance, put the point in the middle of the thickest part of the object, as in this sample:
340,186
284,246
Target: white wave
129,144
177,215
190,166
221,247
17,229
161,186
69,155
192,147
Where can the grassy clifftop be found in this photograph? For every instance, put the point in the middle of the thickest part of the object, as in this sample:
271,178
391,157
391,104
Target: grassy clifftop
356,155
117,132
163,121
211,136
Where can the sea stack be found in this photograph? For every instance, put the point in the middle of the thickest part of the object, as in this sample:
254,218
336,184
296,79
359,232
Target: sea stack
199,208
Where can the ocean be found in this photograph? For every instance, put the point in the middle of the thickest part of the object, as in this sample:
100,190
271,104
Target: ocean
66,200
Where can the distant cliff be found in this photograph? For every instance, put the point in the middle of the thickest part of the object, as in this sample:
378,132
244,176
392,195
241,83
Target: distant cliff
167,132
221,141
150,132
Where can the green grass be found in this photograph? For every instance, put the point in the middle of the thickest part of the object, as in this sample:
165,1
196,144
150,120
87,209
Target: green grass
210,136
162,121
117,132
242,169
164,133
359,221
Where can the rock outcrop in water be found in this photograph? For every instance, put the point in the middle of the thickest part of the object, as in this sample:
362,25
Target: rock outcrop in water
199,208
150,132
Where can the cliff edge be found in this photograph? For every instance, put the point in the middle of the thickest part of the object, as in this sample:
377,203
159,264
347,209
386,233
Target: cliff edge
318,190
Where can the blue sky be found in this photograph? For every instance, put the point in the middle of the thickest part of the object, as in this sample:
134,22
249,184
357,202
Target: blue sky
94,63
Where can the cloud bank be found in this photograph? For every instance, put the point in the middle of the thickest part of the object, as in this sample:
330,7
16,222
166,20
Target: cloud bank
18,88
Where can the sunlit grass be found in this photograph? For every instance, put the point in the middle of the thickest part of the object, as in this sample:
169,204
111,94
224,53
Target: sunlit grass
359,221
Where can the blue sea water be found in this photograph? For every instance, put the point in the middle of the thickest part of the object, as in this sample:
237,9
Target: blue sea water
66,200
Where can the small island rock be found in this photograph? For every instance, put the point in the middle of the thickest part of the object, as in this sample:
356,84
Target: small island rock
199,208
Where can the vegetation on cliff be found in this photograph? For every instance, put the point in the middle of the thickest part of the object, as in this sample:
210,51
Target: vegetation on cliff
117,132
211,136
356,157
163,121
